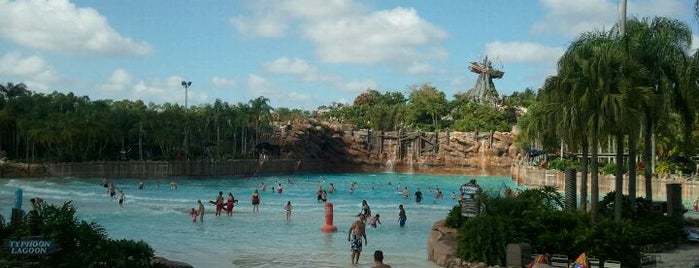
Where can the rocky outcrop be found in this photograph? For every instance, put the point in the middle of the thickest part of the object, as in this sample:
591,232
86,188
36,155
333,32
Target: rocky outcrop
361,150
441,246
21,170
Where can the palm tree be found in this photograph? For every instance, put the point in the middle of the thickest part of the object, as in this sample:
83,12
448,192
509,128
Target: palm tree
660,45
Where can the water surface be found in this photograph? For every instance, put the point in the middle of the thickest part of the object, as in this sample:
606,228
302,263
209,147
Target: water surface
160,216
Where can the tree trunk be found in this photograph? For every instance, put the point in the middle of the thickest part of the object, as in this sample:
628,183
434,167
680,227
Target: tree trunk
594,198
647,157
632,170
583,175
619,178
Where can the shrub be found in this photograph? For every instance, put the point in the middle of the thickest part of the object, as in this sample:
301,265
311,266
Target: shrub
81,243
454,218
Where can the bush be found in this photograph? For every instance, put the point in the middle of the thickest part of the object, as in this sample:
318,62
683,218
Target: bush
562,164
536,217
81,243
454,218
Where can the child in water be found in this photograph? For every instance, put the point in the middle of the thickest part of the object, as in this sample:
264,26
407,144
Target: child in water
374,220
194,215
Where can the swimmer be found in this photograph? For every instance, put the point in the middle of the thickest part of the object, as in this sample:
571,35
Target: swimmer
263,187
418,196
193,213
112,190
375,220
378,260
255,201
219,203
406,193
355,235
331,189
366,210
288,209
173,185
121,198
401,216
141,185
453,195
229,204
279,189
201,211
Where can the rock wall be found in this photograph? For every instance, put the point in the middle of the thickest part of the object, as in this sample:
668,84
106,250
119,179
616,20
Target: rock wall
360,150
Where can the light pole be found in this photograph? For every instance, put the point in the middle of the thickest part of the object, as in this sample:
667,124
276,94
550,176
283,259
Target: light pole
186,85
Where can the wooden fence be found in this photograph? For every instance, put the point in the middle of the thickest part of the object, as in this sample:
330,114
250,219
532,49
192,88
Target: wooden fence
163,169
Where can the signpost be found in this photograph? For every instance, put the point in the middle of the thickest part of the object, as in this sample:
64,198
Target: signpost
36,245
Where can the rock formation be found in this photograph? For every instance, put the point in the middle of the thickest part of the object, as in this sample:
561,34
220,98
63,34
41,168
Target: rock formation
360,150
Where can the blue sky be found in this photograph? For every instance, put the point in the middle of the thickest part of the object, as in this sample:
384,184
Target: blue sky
298,54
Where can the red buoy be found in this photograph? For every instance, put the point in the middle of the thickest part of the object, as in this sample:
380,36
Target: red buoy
328,227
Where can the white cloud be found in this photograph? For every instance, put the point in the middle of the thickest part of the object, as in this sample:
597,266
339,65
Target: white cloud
33,71
264,25
58,25
572,18
298,67
272,18
344,32
119,81
524,52
260,86
222,82
395,35
357,86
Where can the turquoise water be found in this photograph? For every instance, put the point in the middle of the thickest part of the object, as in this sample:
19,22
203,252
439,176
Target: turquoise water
160,216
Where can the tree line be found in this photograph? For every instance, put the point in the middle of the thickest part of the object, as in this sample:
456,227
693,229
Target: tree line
635,91
62,127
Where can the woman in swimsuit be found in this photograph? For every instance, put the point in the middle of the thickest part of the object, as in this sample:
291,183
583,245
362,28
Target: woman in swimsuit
229,204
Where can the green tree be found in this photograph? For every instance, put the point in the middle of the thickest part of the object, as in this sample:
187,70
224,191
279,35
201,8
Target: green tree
426,107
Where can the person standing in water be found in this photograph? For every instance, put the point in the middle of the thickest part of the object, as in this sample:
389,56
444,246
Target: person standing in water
121,198
201,211
255,201
193,213
229,204
355,235
219,203
288,209
401,216
418,196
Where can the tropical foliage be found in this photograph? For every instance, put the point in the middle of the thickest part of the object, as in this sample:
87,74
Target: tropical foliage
37,127
537,217
79,243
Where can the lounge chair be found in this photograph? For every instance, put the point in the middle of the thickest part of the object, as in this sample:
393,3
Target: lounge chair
559,260
612,264
594,263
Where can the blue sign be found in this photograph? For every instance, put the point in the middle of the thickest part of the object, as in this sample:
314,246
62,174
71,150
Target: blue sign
31,246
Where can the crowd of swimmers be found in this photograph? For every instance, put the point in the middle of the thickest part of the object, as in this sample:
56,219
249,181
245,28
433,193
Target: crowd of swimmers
356,234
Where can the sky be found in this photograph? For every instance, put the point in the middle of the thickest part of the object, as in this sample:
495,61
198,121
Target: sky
299,54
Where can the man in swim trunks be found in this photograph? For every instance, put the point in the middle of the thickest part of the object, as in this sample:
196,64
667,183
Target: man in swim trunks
354,235
401,216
